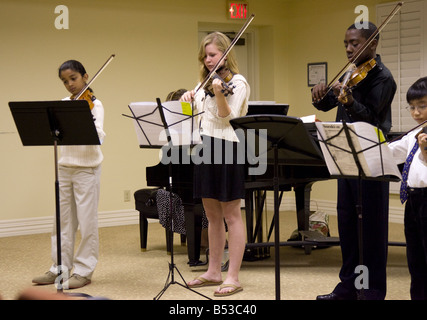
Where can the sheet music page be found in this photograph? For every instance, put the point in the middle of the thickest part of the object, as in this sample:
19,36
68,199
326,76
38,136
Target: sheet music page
309,119
148,124
337,151
379,158
149,127
183,128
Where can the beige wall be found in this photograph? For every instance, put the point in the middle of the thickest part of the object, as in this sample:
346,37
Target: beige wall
155,43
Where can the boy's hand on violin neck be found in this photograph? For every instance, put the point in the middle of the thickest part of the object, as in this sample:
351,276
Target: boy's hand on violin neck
422,140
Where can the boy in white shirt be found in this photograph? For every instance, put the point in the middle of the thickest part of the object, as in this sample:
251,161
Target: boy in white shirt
413,146
79,186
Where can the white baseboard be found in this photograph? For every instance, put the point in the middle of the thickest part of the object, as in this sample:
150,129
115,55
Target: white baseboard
396,214
19,227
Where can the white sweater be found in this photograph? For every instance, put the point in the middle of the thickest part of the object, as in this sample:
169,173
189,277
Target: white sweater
211,124
85,156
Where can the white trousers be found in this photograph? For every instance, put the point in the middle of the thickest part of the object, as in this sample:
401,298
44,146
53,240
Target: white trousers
79,195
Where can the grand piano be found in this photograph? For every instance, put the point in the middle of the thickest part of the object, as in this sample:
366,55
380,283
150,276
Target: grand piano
299,178
296,176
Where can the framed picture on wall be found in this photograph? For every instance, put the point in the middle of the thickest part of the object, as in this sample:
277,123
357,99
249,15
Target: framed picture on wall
317,73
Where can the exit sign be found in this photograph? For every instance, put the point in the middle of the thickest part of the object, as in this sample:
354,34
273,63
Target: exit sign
237,10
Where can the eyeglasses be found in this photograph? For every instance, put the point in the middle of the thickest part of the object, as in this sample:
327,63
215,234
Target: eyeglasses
419,108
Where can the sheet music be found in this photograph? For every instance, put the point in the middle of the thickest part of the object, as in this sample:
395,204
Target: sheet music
338,156
183,128
149,127
147,123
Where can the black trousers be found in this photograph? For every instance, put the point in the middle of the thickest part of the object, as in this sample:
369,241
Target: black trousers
375,204
416,241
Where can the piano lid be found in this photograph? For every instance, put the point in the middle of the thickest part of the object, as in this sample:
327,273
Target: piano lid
295,144
267,107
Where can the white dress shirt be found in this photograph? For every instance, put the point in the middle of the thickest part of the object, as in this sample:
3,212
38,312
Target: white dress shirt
417,176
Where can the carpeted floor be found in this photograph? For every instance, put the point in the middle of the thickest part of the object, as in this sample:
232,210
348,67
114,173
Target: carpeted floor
124,272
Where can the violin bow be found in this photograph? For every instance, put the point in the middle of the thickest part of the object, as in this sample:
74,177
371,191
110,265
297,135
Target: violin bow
365,45
226,52
95,76
404,134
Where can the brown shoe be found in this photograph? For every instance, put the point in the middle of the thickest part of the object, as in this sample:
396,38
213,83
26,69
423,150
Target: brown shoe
77,281
47,278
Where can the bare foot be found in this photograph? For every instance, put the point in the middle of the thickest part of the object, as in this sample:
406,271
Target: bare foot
205,280
227,289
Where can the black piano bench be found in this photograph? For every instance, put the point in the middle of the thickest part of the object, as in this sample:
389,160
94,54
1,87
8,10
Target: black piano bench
145,203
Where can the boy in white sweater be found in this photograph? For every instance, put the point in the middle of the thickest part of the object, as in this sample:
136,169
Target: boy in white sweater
79,187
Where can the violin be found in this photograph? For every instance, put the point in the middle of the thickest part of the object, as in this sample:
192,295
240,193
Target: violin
425,131
225,75
86,95
353,77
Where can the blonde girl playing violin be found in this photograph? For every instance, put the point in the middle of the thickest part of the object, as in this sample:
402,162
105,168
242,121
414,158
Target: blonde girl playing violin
220,186
79,174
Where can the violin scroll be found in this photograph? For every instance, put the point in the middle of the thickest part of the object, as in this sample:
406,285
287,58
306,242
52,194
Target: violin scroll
227,88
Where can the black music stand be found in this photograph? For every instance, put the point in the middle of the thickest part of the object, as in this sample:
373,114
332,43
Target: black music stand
150,121
257,108
348,146
47,123
282,148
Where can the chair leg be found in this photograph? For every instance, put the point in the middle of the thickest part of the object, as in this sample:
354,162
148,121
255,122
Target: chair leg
143,230
183,240
193,224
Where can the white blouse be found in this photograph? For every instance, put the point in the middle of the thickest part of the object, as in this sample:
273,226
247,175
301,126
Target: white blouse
211,124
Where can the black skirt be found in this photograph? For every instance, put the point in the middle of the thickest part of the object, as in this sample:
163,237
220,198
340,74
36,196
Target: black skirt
221,172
